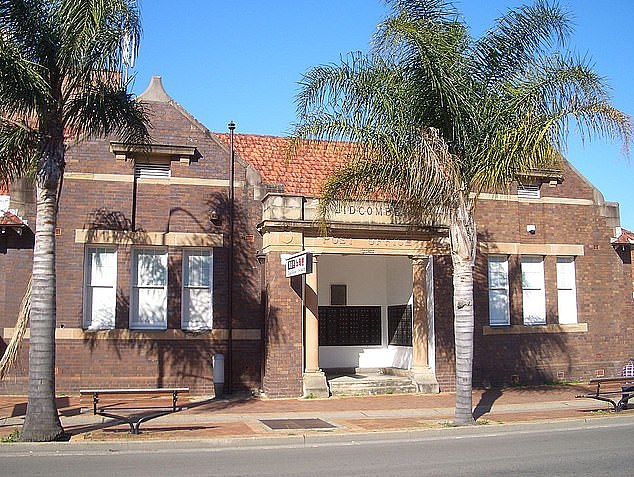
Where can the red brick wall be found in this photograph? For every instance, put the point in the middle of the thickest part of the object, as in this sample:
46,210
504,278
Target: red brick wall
604,299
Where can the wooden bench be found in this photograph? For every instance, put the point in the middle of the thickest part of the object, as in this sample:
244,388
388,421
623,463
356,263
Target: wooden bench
617,391
112,407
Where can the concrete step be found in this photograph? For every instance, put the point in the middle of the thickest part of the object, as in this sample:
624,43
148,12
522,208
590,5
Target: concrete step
370,384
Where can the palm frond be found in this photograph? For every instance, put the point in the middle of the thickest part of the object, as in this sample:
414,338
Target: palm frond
18,149
430,48
564,88
517,39
19,332
421,179
101,109
101,35
22,82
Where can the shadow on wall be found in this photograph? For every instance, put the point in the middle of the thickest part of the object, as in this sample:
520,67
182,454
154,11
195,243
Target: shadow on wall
516,359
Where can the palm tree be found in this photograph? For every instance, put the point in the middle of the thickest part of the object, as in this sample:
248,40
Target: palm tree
438,116
62,76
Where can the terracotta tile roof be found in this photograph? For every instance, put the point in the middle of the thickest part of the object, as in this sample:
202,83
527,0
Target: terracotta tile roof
9,219
626,237
303,174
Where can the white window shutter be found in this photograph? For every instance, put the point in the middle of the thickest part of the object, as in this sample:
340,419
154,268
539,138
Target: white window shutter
566,290
533,291
197,295
100,288
499,310
148,309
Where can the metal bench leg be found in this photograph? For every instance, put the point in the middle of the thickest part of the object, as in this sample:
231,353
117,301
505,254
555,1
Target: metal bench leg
604,399
95,401
622,405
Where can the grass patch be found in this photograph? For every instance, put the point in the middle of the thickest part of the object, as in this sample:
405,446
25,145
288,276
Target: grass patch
13,437
449,424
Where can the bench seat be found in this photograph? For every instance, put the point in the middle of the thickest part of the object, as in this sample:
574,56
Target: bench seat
609,389
112,403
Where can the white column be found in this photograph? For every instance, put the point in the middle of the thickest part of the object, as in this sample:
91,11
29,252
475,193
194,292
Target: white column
420,372
311,323
314,379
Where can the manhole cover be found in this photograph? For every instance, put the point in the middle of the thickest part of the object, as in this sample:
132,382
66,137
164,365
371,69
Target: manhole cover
296,424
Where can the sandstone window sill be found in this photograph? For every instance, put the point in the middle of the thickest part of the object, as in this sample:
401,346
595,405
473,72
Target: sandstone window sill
535,329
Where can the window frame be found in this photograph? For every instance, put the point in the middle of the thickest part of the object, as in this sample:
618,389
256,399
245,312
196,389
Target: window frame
528,300
571,315
338,288
134,322
529,191
185,286
88,287
498,290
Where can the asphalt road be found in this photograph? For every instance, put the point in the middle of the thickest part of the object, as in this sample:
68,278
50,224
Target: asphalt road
597,447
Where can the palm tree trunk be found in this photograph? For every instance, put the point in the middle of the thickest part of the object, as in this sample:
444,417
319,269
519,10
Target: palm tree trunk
463,335
463,240
42,421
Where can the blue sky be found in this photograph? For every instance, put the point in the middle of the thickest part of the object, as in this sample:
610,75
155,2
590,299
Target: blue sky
242,60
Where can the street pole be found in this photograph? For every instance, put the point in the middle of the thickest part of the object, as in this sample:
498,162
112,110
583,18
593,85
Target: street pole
229,362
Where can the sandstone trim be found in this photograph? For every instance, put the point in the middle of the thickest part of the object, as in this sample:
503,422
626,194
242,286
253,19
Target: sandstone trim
247,334
535,329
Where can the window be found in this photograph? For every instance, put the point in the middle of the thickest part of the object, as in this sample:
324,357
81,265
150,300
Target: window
151,170
350,325
338,295
399,325
566,290
148,308
197,312
533,293
498,290
100,288
528,191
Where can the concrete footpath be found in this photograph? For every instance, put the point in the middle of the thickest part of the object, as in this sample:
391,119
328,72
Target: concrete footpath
257,418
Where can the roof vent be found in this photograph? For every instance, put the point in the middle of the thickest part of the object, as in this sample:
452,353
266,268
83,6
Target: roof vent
528,191
151,171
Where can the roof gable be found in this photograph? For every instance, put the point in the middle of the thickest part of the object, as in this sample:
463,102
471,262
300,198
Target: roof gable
165,113
9,219
626,237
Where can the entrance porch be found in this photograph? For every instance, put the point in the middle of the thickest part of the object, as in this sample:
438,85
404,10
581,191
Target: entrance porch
374,322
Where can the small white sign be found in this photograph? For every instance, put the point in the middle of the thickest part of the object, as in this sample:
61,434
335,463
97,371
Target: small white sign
299,264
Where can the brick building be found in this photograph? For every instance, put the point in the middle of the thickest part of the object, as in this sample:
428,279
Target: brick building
144,247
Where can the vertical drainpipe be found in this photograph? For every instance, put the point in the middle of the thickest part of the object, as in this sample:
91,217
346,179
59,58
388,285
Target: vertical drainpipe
229,361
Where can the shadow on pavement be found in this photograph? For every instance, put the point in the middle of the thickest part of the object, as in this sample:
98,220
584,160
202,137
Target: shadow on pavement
485,404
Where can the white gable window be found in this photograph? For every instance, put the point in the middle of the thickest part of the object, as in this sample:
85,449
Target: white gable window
566,290
533,291
148,307
100,288
499,313
528,191
197,312
143,170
